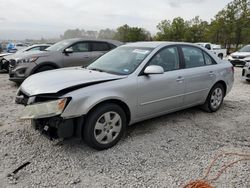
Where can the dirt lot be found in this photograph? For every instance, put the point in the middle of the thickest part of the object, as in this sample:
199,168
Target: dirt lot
163,152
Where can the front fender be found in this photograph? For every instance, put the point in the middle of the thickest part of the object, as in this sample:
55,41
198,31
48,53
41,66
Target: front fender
80,106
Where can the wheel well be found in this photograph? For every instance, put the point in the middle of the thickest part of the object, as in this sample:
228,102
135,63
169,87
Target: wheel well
45,64
123,105
223,84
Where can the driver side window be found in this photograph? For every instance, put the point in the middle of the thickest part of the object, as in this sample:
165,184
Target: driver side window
167,58
80,47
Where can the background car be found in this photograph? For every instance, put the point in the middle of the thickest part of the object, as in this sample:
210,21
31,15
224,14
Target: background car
4,64
67,53
240,57
246,71
216,49
131,83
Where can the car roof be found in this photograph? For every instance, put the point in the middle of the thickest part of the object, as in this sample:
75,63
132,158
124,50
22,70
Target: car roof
155,44
115,42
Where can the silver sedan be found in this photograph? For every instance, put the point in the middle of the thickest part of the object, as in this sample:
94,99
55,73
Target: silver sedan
132,83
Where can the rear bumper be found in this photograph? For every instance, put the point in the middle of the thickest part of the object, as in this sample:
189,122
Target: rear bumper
57,127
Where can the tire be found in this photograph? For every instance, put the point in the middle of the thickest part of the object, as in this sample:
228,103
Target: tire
104,126
215,98
44,68
248,81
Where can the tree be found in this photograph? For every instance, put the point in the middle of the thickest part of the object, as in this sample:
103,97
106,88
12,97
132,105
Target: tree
232,24
72,33
172,31
196,30
106,34
126,33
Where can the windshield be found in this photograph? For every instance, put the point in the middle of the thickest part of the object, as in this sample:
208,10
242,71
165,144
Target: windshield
245,49
58,46
121,61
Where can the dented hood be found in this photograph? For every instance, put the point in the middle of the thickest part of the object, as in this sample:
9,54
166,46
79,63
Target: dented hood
55,81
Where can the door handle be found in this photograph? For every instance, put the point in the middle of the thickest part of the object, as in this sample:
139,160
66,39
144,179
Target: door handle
211,73
86,56
180,79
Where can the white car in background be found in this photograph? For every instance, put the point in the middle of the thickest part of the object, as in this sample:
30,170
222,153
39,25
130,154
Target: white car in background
216,49
241,57
246,71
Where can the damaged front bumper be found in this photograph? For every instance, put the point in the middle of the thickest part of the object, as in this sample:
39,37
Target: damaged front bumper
57,127
45,114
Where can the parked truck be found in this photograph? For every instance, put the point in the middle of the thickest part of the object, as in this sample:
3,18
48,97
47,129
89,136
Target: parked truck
216,49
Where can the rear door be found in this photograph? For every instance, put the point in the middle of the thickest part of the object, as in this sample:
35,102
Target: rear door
81,55
199,74
160,93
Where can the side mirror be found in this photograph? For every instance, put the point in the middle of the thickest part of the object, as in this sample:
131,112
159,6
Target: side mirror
68,50
153,69
208,47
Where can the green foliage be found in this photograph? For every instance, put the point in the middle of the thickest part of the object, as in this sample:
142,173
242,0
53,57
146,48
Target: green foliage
180,30
126,33
230,26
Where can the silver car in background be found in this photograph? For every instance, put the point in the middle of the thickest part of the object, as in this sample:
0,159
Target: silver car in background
132,83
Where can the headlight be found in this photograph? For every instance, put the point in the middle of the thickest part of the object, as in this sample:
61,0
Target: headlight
44,110
230,58
28,60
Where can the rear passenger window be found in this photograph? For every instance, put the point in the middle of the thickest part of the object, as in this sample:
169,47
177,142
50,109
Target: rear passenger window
112,46
100,46
167,58
208,59
193,57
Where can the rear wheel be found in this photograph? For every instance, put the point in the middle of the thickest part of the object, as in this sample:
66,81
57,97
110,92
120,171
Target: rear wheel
248,81
215,98
104,126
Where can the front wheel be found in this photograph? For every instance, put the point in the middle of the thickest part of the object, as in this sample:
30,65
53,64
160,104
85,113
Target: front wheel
215,98
104,126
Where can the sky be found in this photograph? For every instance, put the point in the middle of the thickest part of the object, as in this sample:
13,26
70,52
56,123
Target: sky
35,19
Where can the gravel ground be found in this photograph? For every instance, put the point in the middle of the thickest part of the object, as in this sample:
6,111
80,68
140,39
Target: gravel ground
163,152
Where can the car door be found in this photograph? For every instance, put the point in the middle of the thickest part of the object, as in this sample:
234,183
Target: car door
80,55
98,49
199,74
161,93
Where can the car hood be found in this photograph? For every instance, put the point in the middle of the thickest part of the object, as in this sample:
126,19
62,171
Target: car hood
67,79
245,54
24,55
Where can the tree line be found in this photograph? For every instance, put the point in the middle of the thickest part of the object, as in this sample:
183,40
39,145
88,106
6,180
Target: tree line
230,27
